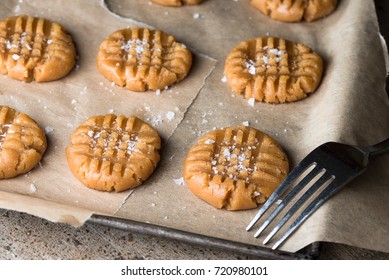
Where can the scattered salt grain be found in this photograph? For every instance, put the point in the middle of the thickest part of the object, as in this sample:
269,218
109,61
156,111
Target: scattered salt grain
90,133
179,181
251,102
170,115
251,66
256,194
209,141
84,90
32,188
158,92
224,79
246,123
15,56
196,15
48,129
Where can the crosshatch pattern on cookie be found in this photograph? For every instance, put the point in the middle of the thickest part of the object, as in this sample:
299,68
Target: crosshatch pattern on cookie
142,59
273,70
237,168
113,153
177,2
295,10
34,48
22,143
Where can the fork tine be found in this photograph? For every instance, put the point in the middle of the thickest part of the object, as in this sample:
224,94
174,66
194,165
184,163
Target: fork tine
293,175
309,177
322,180
311,208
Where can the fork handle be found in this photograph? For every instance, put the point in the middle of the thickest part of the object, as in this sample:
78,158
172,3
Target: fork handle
379,149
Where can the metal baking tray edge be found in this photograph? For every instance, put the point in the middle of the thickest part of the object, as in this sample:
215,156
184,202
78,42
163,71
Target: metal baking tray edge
308,253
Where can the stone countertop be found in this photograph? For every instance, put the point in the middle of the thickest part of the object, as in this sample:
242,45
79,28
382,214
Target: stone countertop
27,237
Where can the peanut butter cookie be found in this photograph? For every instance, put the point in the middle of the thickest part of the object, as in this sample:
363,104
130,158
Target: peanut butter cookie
141,59
236,168
113,153
33,48
295,10
273,70
22,143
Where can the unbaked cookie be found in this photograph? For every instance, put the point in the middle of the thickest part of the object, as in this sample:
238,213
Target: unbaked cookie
22,143
236,168
273,70
141,59
113,153
33,48
295,10
177,2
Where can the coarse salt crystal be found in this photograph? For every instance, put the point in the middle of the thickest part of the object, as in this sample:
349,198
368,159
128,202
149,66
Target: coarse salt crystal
15,56
209,141
170,115
158,92
179,181
256,194
196,15
48,129
246,123
32,188
224,79
251,101
251,66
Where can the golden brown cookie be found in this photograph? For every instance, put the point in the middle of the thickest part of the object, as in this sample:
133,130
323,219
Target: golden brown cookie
236,168
22,143
295,10
141,59
33,48
273,70
177,2
113,153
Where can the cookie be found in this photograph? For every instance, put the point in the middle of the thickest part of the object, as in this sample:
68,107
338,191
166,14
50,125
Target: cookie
22,143
33,48
141,59
236,168
113,153
273,70
177,2
295,10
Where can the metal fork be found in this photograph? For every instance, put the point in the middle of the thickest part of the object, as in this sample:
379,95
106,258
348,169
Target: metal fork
328,167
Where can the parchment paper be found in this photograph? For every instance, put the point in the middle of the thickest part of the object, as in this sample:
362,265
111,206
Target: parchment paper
350,106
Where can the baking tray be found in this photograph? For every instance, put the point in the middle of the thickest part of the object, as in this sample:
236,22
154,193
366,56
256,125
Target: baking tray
308,253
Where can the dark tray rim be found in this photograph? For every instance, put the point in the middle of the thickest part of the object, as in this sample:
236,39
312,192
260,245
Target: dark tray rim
310,252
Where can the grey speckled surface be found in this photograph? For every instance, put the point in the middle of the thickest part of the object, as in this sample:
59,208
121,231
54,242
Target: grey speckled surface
28,237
